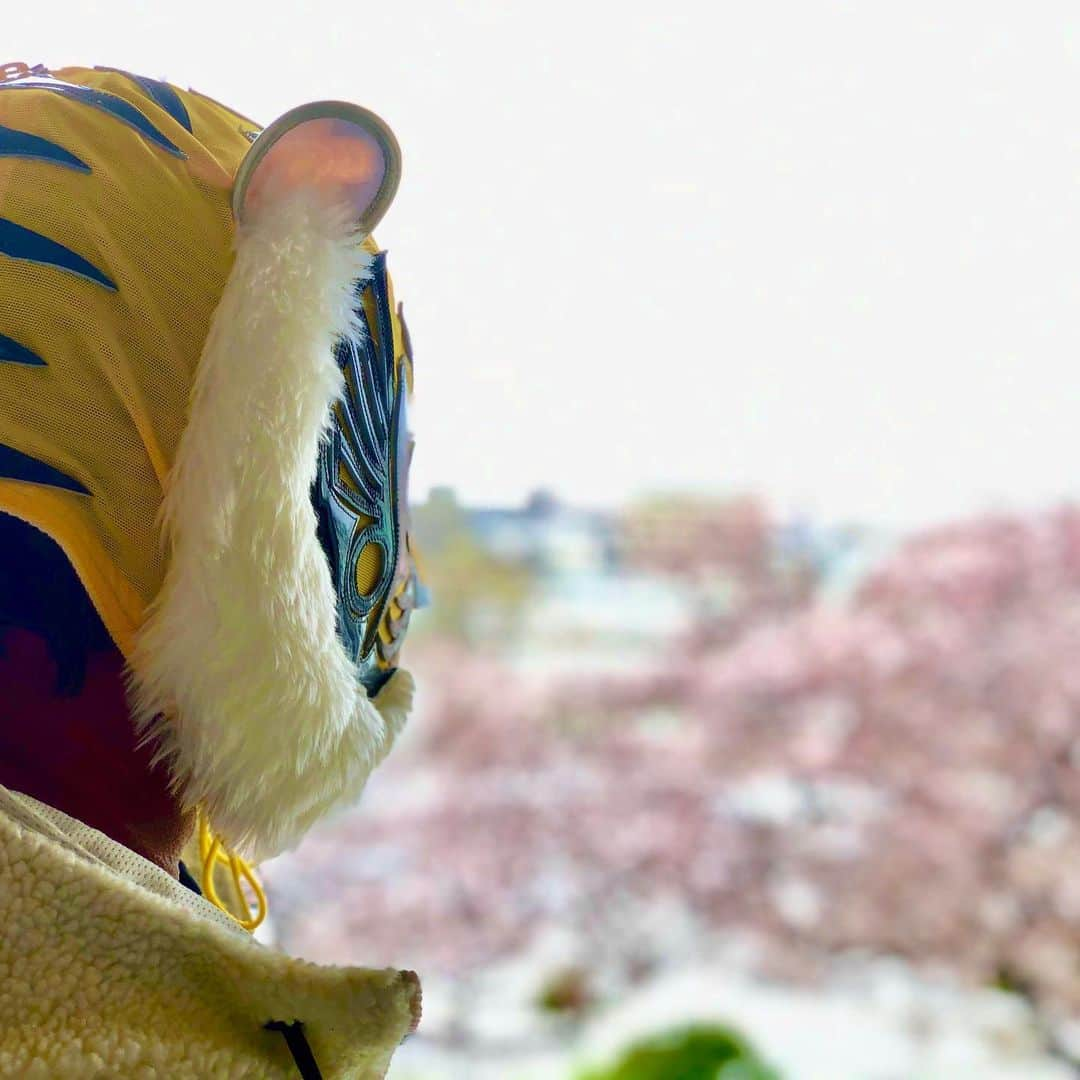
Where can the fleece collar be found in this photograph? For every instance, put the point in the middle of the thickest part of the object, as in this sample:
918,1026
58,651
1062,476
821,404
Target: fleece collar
111,971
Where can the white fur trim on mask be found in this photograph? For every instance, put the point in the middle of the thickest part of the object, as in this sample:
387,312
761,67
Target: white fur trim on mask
239,672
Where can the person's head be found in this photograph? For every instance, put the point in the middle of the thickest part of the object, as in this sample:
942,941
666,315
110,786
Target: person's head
203,377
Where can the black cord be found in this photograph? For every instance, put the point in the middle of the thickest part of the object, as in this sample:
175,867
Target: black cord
187,880
298,1046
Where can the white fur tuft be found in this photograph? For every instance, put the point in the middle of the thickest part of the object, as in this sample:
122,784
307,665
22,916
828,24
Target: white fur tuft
238,672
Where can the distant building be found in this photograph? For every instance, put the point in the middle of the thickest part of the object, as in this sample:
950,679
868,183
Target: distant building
585,607
548,537
655,572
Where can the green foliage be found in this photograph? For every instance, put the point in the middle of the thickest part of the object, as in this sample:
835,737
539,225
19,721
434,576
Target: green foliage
698,1052
476,596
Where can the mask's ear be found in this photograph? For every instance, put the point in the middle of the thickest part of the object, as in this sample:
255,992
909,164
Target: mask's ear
343,152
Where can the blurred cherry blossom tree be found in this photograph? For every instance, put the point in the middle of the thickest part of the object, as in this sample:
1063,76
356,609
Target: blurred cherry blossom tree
900,775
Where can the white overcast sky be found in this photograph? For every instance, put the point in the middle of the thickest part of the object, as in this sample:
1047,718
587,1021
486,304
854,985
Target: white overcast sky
828,252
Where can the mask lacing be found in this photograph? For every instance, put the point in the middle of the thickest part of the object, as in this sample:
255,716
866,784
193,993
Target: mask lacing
213,852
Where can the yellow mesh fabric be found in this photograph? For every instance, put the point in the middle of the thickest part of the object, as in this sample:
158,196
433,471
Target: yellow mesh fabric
109,407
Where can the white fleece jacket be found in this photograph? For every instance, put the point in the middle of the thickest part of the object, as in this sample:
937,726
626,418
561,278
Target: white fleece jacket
110,968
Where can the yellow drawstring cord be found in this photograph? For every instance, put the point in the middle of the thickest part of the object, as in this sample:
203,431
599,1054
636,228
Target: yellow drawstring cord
212,852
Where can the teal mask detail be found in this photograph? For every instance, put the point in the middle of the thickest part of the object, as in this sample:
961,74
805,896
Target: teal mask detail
359,490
